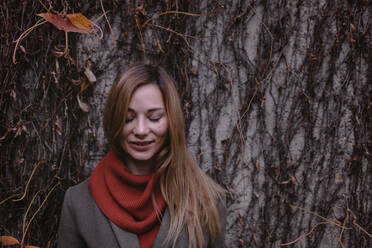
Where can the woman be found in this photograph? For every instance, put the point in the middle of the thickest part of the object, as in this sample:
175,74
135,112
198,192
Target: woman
147,191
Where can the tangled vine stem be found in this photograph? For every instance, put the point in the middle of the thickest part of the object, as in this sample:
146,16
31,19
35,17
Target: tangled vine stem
23,35
41,21
28,182
343,228
306,234
108,23
327,221
179,12
336,223
26,227
361,228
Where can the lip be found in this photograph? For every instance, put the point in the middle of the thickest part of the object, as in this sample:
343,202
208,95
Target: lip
141,145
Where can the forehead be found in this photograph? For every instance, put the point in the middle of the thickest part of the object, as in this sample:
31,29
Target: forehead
147,96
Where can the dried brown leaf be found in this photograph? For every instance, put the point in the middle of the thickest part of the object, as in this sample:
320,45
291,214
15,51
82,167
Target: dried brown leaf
19,129
5,134
84,85
352,27
22,48
353,159
80,21
141,9
8,240
285,182
339,178
90,75
71,23
83,106
13,94
351,38
58,126
293,179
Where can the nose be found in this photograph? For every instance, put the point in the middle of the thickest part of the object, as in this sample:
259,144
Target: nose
141,128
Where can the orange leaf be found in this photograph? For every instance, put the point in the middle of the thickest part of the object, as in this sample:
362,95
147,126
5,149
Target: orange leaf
351,38
80,21
79,24
31,246
8,240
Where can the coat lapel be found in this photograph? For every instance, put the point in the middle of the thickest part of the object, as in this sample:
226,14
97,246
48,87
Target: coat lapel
163,231
124,238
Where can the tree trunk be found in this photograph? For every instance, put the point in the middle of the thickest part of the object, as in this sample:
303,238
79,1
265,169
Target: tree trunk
277,97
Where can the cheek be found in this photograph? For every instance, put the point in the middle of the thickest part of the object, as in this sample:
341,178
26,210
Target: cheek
125,131
162,129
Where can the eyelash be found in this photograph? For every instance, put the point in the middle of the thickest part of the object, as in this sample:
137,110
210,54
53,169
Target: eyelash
129,120
157,119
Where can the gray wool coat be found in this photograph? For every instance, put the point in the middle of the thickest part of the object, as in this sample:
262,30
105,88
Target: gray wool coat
82,224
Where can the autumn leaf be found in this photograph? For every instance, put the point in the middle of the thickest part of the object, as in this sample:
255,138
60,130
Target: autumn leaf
352,27
83,106
314,57
354,159
5,134
90,75
8,240
351,38
70,23
293,179
338,178
31,246
58,126
80,21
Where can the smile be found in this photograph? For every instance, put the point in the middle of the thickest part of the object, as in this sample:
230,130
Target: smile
141,143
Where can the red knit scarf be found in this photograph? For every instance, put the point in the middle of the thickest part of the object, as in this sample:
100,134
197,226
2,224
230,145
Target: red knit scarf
126,199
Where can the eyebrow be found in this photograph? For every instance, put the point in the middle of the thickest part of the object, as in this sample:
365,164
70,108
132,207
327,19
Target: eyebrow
149,110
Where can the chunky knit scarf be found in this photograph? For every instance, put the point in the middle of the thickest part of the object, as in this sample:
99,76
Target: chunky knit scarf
126,199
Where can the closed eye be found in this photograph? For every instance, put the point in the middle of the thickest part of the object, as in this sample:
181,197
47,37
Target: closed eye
155,119
129,119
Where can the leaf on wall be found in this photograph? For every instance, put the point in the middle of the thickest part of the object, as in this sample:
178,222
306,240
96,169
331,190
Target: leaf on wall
8,240
83,106
90,75
70,23
80,21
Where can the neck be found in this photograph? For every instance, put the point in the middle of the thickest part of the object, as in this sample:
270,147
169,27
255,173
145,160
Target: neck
140,167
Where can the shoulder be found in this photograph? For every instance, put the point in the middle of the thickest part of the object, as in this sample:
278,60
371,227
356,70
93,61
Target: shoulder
221,205
82,224
78,198
80,189
79,209
222,212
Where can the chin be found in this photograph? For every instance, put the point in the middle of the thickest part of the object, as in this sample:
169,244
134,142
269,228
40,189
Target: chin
141,157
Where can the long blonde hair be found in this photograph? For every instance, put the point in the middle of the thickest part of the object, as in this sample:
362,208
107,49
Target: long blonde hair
190,194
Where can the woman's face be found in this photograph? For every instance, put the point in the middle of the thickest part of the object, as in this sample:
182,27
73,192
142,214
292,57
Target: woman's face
145,129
